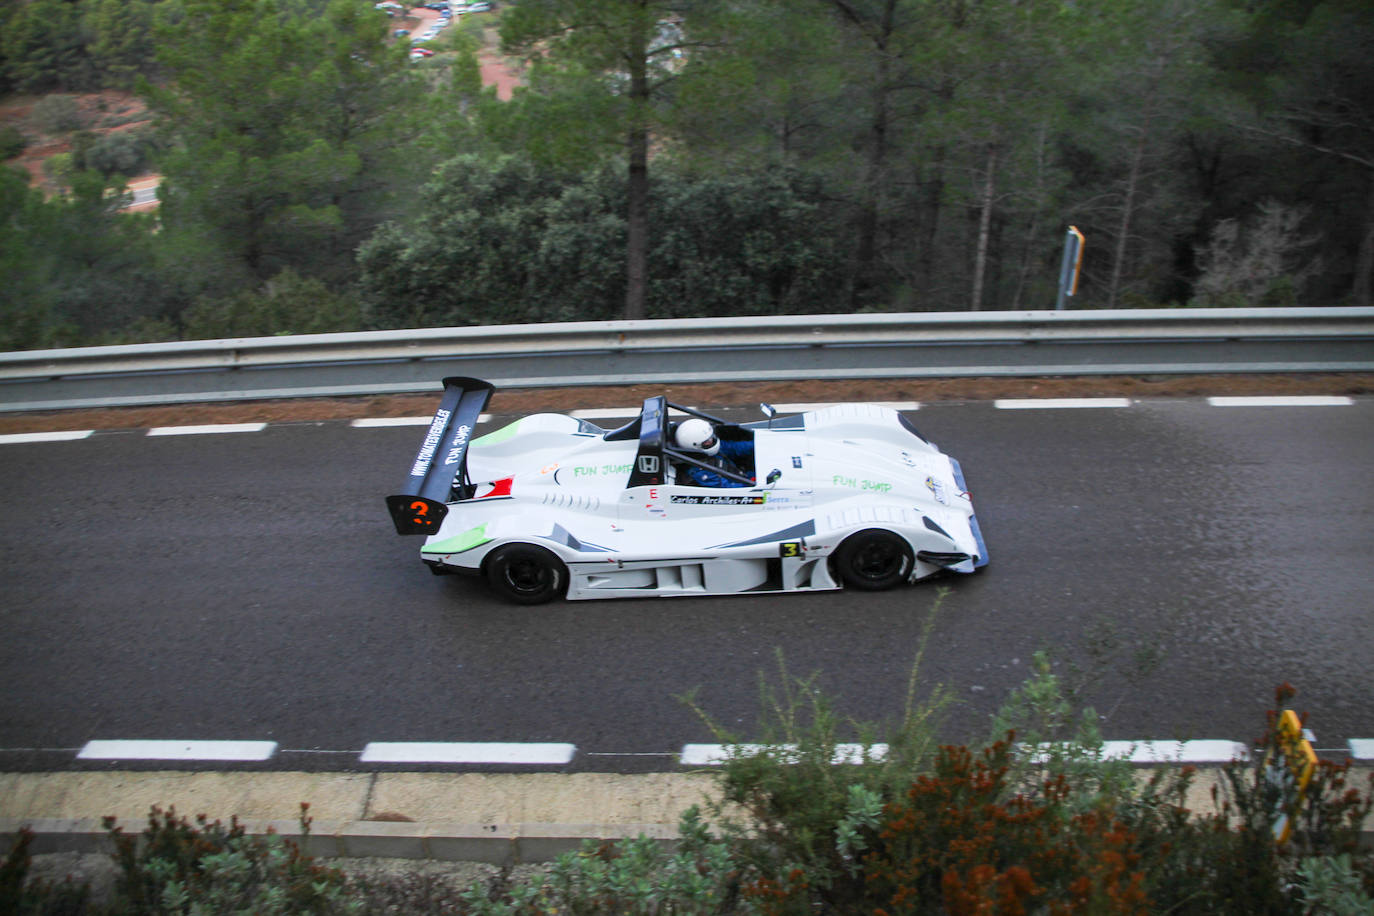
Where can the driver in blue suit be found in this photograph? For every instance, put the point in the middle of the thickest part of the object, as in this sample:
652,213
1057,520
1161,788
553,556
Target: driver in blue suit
698,436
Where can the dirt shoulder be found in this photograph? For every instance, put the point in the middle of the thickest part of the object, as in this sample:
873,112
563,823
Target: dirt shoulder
535,400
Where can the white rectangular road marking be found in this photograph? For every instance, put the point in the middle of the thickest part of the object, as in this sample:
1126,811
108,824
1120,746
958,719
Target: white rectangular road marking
1195,752
62,436
1315,400
178,750
206,430
1204,751
466,752
375,422
804,407
610,413
380,422
708,755
1362,748
1058,403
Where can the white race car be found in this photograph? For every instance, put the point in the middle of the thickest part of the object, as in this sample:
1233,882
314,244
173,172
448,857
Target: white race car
850,495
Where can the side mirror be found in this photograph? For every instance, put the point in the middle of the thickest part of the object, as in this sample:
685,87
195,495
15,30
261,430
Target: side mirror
768,411
773,476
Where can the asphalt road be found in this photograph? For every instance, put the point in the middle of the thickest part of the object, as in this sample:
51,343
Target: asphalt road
1178,560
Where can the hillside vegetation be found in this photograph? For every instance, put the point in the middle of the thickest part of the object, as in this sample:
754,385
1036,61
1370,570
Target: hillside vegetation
673,159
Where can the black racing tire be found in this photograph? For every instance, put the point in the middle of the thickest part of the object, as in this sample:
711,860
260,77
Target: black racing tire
873,559
526,574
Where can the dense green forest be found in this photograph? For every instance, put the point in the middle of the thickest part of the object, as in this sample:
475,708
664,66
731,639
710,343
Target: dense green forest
674,158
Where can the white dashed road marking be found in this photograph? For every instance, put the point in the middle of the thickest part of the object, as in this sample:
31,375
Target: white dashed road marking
64,436
178,750
1058,403
804,407
1290,401
706,755
608,413
207,430
1175,751
630,412
1195,752
380,422
375,422
526,753
471,752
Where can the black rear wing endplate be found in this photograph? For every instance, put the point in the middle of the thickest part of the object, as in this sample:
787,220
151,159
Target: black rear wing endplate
421,505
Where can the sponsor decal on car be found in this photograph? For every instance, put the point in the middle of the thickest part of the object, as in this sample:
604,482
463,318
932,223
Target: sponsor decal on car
937,487
426,454
720,500
591,470
854,483
460,439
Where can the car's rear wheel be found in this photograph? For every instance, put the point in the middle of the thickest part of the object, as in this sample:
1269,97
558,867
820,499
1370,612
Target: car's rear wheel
526,574
873,559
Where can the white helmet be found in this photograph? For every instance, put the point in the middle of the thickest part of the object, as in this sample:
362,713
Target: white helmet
697,436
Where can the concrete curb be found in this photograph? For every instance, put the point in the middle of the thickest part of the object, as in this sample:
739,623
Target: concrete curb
504,844
500,819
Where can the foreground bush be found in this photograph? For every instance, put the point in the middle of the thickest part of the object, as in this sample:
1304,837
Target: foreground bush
1047,825
205,867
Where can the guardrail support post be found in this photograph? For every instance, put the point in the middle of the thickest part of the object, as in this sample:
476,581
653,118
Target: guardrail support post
1069,267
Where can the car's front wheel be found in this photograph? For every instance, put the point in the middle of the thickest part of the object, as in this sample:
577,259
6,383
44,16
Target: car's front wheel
874,559
526,574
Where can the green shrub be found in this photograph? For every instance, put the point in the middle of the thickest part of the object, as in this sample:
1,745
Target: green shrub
29,898
1046,824
1331,885
206,867
57,114
286,304
807,819
12,142
123,152
637,877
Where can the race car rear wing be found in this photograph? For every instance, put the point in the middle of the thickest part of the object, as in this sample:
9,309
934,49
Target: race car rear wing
441,464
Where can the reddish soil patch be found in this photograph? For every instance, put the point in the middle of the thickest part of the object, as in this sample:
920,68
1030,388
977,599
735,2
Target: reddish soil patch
100,113
527,401
498,72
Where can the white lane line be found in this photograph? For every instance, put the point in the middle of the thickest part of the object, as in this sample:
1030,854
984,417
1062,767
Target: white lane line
1362,748
381,422
1201,751
1314,400
804,407
1195,752
707,755
610,413
63,436
178,750
206,430
1058,403
375,422
466,752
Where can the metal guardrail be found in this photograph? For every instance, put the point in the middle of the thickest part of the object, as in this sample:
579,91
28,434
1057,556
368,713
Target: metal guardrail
788,347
